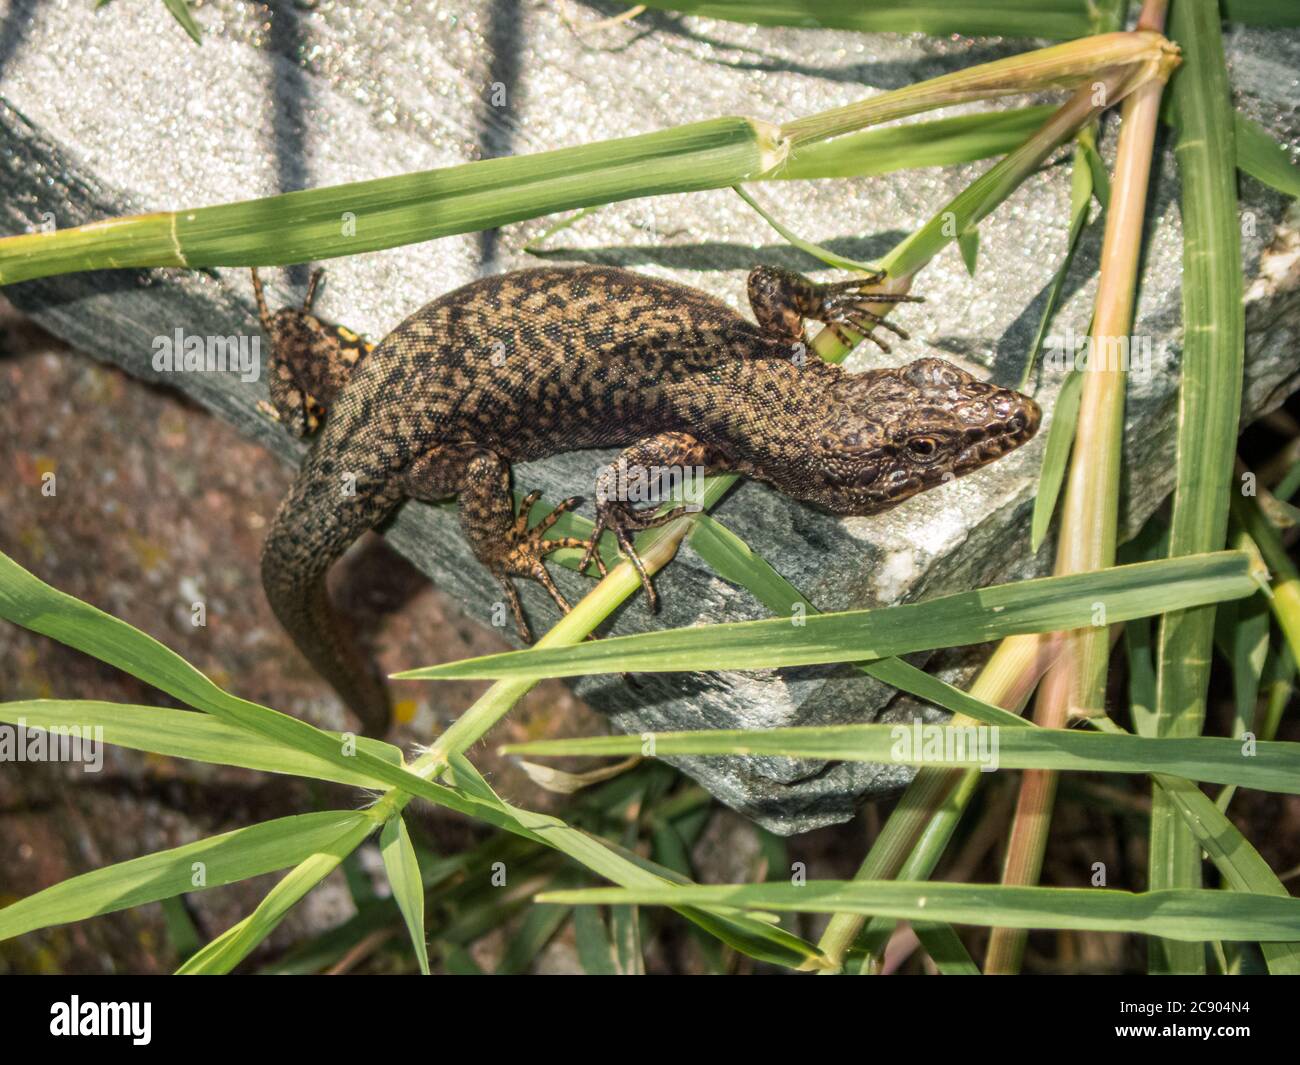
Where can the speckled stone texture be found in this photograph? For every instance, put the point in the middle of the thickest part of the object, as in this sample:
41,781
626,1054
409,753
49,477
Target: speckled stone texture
114,111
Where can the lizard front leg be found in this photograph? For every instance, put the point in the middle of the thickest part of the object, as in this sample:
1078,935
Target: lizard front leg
500,538
646,472
781,300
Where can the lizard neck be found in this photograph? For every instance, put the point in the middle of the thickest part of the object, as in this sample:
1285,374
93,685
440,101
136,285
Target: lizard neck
764,412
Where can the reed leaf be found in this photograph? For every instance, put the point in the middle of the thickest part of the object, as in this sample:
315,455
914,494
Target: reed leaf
1208,407
1011,18
1191,915
206,863
1265,766
1044,605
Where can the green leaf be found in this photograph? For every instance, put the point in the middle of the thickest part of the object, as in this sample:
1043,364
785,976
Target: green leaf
1141,676
189,734
595,950
734,560
1082,184
409,208
1263,158
33,604
1190,915
1060,438
1240,864
1273,767
946,950
526,942
1044,605
827,256
935,142
1209,402
1261,12
1006,18
181,13
237,942
403,870
206,863
749,936
1234,857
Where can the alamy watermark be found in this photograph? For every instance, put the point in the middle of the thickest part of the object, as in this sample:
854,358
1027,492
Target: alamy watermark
1135,355
922,743
77,1018
653,484
59,743
182,353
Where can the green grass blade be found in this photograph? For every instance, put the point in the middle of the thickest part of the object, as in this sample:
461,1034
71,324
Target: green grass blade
387,212
187,734
30,602
936,142
1060,439
206,863
1234,857
1044,605
1263,158
1188,915
1261,12
180,11
1141,676
1271,767
1245,645
734,560
403,870
1010,18
754,938
1082,183
968,243
595,950
538,927
1284,597
946,950
1208,409
238,941
975,202
827,256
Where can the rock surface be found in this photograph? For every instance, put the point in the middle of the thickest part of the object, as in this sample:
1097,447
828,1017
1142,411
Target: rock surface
113,111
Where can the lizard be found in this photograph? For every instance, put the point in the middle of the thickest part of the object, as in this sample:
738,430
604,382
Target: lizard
535,362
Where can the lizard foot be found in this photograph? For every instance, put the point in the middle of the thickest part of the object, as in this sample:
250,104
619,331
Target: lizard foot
525,554
846,305
623,521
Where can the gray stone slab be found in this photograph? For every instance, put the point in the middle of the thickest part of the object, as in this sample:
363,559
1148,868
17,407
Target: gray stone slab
113,111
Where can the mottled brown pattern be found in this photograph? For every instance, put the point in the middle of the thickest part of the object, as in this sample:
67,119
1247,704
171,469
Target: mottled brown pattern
537,362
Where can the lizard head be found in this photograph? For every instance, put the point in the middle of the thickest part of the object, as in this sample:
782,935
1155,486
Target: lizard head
894,433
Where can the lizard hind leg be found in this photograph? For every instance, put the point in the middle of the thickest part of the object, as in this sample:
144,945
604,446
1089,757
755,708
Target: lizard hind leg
310,360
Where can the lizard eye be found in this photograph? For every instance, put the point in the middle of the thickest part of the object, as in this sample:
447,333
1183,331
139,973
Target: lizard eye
923,446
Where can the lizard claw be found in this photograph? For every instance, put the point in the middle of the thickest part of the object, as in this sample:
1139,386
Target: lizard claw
524,558
846,305
622,520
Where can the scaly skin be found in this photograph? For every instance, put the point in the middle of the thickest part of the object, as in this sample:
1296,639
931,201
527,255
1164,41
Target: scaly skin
538,362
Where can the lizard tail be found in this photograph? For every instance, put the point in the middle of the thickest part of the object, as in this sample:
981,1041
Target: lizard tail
315,525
